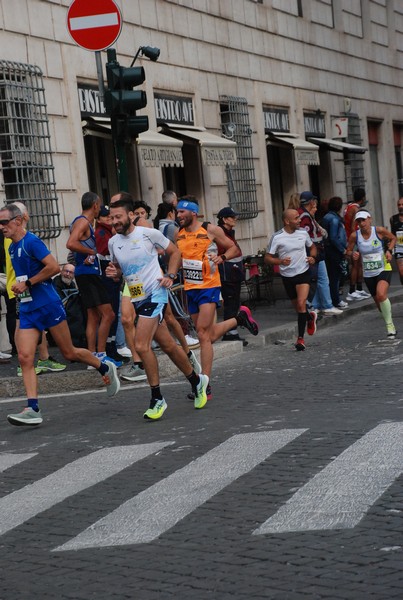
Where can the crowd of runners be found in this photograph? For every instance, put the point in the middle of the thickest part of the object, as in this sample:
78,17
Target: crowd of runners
124,267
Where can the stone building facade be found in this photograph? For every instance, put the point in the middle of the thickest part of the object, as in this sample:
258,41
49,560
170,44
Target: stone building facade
249,102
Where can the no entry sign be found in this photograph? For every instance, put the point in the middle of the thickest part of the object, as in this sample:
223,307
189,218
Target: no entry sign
94,24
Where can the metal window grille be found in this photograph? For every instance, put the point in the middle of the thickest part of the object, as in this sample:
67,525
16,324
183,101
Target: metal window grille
354,163
25,152
241,179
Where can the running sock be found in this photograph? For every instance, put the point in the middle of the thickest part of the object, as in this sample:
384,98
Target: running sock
103,368
302,318
33,403
386,310
359,286
155,395
139,364
352,289
401,279
194,380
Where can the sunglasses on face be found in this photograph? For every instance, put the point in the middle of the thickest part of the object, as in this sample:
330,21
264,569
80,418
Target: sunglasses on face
6,221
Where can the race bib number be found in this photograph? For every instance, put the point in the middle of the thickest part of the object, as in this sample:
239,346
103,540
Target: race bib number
193,271
25,296
136,288
372,262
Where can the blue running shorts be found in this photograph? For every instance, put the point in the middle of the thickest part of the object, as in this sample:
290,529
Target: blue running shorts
44,317
196,298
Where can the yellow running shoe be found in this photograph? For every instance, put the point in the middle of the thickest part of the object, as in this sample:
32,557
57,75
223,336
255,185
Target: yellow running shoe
157,410
201,392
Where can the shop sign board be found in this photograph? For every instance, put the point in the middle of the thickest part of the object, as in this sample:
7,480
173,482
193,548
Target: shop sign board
314,124
91,104
276,119
94,24
174,109
161,156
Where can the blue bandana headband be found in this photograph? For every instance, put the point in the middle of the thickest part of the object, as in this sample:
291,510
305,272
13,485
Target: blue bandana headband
186,205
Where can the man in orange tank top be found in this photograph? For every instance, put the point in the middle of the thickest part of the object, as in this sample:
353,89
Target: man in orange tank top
197,243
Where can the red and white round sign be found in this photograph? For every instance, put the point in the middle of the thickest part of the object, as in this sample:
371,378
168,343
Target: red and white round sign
94,24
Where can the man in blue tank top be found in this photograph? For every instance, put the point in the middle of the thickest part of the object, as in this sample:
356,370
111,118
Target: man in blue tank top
94,295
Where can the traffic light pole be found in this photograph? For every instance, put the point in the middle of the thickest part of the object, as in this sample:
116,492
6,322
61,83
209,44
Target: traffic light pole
121,165
121,102
119,146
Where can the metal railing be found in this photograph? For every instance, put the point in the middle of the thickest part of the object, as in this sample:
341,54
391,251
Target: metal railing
241,179
25,151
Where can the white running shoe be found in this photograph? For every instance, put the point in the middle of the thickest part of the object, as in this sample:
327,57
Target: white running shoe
354,296
195,363
192,342
342,304
329,312
363,294
111,379
124,352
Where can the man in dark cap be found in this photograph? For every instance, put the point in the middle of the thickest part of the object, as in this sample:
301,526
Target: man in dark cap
231,273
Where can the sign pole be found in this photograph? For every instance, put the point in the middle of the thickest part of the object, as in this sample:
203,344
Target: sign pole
98,62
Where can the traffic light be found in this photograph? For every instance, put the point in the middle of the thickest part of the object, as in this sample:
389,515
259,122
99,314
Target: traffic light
121,101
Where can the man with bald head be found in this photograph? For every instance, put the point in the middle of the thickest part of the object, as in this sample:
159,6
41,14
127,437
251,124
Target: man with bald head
293,251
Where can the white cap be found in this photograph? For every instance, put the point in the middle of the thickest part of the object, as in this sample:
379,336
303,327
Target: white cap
362,214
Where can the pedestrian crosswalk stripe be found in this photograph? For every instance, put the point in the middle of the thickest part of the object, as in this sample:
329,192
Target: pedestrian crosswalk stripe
340,495
158,508
23,504
9,460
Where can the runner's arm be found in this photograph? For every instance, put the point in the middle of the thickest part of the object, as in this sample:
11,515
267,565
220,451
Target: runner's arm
217,235
79,231
51,268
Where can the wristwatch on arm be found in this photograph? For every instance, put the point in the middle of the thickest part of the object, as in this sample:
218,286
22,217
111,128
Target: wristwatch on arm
171,276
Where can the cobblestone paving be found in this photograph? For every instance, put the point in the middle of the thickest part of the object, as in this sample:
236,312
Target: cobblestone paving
336,390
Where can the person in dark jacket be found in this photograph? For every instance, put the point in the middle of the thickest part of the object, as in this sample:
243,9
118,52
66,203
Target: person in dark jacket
231,273
335,245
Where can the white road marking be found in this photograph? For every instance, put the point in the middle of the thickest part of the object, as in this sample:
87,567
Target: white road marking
9,460
158,508
340,495
393,360
94,21
23,504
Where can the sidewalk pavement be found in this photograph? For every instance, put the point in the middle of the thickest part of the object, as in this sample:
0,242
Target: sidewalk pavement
277,324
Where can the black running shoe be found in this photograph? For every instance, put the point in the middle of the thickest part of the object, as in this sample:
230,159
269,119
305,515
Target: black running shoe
245,319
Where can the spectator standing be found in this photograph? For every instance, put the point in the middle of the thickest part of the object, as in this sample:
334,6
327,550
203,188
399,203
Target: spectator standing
321,300
95,298
232,273
335,248
396,225
64,283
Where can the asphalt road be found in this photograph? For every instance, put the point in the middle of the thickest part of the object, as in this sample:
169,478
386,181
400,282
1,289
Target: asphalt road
287,486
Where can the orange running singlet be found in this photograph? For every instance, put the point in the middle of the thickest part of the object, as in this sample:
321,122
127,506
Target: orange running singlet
198,271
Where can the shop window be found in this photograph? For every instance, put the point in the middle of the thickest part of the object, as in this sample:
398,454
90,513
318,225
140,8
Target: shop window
241,179
25,152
